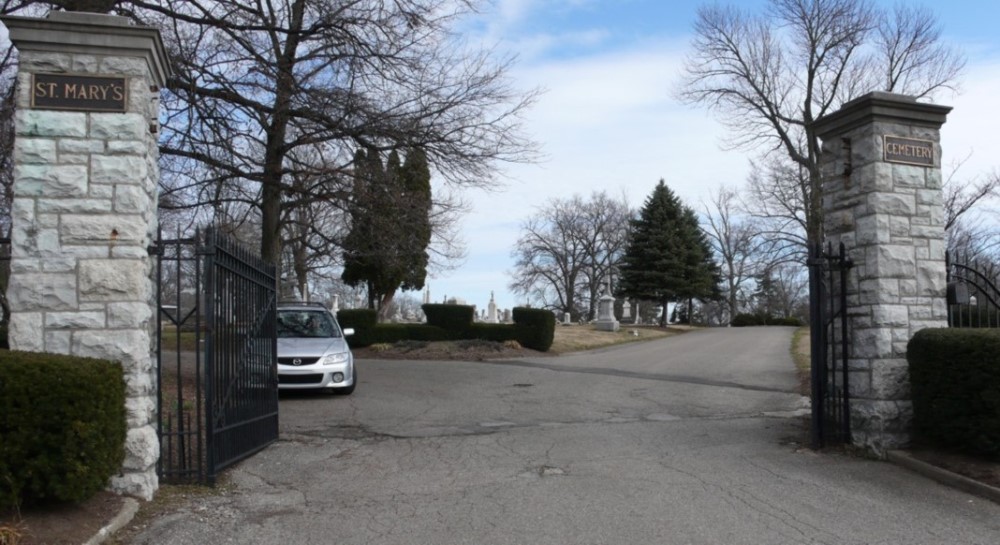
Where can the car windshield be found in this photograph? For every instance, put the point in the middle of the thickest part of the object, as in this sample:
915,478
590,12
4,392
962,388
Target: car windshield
306,323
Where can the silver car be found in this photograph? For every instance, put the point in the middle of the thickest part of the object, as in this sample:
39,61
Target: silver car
313,351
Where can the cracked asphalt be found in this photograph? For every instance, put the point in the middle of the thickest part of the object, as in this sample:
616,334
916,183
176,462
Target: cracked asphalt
694,439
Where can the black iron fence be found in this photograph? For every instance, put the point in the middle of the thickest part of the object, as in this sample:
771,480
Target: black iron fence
830,338
217,353
973,297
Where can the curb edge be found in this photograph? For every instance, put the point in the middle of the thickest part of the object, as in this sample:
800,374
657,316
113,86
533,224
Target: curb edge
127,513
943,476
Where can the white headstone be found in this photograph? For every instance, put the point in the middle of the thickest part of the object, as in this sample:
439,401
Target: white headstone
491,312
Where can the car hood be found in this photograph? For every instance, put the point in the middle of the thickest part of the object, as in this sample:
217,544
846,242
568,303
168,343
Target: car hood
291,347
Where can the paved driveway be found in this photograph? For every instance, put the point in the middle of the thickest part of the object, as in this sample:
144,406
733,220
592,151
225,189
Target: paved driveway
685,440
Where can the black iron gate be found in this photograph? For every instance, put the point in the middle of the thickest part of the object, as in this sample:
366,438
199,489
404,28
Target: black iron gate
973,296
217,351
830,338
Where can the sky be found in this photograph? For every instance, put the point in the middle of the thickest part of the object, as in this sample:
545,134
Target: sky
608,120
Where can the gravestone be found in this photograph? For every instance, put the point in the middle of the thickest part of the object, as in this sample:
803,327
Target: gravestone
84,211
881,168
606,314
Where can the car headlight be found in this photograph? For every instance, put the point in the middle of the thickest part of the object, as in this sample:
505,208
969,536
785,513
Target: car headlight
331,359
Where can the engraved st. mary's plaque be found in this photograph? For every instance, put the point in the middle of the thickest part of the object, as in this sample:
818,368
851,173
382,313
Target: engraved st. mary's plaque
909,151
84,93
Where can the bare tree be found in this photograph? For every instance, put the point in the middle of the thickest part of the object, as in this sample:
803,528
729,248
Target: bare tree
569,251
742,249
770,76
257,81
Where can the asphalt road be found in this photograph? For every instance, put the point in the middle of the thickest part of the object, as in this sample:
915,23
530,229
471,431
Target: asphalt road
695,439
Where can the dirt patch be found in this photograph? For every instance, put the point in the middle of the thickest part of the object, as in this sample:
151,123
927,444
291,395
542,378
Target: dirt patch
978,469
61,523
451,350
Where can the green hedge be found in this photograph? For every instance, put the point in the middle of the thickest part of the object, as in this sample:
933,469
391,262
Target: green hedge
955,386
747,319
535,328
532,328
493,332
449,317
62,426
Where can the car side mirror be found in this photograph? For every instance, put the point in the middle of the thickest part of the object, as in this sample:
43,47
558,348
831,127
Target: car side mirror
348,332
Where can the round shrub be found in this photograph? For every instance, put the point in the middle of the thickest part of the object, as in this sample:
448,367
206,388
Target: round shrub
536,328
62,426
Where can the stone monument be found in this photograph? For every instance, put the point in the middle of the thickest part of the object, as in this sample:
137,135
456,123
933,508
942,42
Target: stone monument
84,211
881,169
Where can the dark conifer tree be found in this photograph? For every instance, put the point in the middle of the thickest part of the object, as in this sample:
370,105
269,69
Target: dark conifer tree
668,258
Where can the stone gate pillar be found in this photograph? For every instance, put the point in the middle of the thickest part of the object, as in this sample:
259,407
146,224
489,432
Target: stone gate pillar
84,209
882,198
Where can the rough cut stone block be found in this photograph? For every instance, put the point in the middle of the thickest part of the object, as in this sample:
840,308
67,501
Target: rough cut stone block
128,147
43,61
908,176
74,320
35,150
106,229
881,425
58,341
890,261
50,180
881,290
74,206
113,280
131,199
892,203
117,126
872,343
25,331
117,169
140,411
138,484
130,347
50,123
873,229
142,448
102,191
37,242
136,315
42,291
859,384
128,66
890,315
84,64
80,146
931,279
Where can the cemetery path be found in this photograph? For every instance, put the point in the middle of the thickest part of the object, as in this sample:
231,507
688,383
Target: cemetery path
636,444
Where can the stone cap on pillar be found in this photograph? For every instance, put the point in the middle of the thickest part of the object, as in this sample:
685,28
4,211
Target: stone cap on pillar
881,106
90,34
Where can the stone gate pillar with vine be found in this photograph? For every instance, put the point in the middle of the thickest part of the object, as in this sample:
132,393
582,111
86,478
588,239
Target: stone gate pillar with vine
882,198
84,211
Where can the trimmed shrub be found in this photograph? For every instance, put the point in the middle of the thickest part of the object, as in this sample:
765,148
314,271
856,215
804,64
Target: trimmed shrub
536,328
363,321
493,332
392,333
453,318
747,319
955,386
62,426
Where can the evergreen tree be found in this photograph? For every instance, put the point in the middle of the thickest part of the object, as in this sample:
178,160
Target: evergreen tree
415,182
668,257
386,248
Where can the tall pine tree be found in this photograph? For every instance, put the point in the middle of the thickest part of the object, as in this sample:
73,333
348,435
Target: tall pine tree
386,248
668,257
